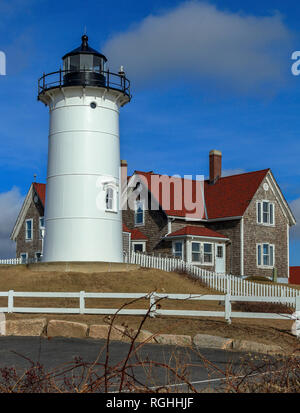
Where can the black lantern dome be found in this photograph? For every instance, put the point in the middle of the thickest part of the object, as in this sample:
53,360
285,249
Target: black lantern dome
84,66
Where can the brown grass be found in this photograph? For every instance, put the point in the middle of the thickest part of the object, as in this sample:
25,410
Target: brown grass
20,278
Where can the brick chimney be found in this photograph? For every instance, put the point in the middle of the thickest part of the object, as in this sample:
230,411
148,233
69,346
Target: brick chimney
124,166
215,166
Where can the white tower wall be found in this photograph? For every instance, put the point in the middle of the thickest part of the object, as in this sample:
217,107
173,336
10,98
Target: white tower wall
83,157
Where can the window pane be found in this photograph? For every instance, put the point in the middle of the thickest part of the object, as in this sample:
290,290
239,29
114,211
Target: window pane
195,247
266,256
178,250
138,247
74,63
259,212
139,213
178,246
196,257
219,251
208,248
271,255
109,199
259,254
29,229
86,62
207,258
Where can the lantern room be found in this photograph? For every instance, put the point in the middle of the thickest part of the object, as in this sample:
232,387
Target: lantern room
84,66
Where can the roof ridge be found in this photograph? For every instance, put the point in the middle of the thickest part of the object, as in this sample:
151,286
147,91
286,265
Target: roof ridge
205,180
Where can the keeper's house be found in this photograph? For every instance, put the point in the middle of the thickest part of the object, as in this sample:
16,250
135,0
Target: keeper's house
242,227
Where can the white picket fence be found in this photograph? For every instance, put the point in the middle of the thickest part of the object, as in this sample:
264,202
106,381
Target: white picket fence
11,261
227,284
152,308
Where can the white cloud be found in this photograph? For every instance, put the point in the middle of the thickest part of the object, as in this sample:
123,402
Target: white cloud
295,207
10,205
200,43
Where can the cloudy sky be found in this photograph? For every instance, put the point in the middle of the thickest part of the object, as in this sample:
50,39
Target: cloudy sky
205,75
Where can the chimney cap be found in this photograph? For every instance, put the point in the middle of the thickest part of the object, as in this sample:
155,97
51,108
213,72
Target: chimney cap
215,152
124,162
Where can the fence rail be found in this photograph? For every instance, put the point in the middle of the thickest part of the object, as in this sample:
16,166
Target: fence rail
224,283
153,309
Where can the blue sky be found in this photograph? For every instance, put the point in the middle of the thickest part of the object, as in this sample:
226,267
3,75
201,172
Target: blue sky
205,75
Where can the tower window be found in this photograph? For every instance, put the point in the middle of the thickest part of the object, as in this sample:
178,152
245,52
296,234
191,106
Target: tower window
110,199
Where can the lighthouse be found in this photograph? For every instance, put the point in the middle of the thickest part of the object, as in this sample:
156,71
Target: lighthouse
83,219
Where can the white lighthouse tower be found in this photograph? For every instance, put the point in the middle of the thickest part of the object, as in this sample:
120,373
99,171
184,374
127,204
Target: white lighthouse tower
82,216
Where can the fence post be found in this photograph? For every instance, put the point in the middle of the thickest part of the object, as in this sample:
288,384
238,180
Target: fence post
152,313
228,308
10,301
81,302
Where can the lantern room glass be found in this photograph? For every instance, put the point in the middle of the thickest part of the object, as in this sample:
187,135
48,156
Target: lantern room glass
84,62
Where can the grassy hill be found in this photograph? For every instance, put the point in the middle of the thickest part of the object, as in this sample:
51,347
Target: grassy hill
20,278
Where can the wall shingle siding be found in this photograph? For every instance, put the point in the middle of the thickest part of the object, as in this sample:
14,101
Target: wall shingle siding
256,233
35,245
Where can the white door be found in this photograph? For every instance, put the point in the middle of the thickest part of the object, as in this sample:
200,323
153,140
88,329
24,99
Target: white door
220,258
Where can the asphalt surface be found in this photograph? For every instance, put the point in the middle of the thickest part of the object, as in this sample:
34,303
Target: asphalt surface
56,353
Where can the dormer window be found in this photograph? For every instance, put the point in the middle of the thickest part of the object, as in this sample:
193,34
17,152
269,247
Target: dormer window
139,213
265,213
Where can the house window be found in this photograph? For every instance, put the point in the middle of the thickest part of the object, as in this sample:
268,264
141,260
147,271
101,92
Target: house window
208,254
178,250
23,257
138,246
28,229
139,213
41,226
265,255
38,256
265,213
196,252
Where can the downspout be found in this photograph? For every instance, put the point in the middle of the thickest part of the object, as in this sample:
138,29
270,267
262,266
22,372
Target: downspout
242,245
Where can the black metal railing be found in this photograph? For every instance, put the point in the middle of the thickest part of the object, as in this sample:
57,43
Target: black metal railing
109,80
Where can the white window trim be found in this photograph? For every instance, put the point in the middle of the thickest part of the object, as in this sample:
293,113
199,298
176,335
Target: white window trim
24,253
209,264
182,248
262,256
27,220
201,262
200,252
261,213
143,243
135,212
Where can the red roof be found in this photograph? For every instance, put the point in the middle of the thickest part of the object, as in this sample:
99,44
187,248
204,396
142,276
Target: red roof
228,197
294,275
196,231
135,233
41,191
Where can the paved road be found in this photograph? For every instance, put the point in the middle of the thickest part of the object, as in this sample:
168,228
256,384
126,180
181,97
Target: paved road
53,353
